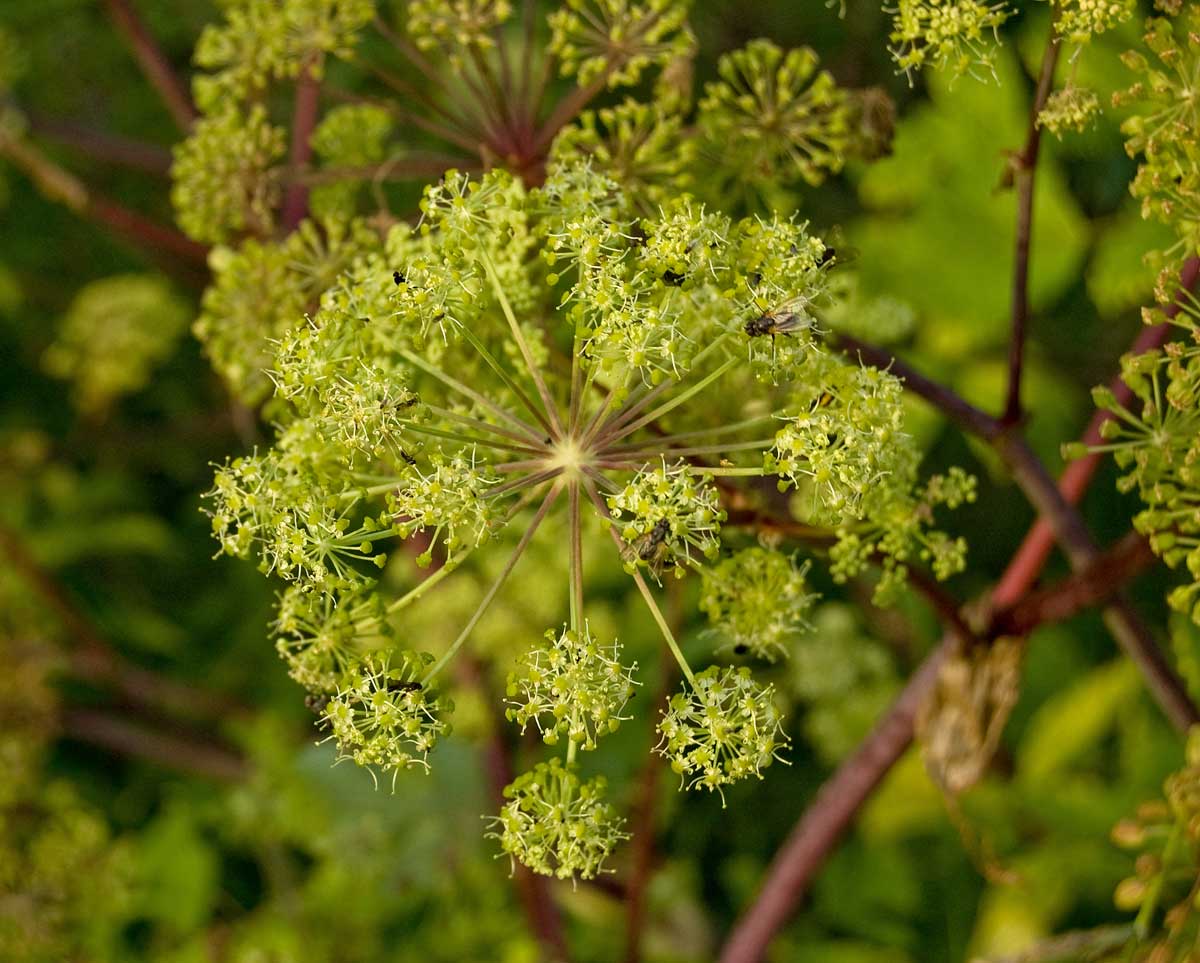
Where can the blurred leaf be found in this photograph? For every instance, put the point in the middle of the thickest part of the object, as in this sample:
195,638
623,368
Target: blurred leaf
1073,722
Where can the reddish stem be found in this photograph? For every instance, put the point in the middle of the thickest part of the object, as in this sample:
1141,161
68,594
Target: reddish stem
1035,549
1024,167
153,62
304,120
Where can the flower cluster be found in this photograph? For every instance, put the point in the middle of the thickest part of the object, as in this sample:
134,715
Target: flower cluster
557,825
322,637
723,730
224,182
388,717
457,24
1071,108
668,519
574,687
846,444
1079,20
777,114
527,352
758,601
1162,133
958,36
1157,446
1162,890
265,40
114,334
612,42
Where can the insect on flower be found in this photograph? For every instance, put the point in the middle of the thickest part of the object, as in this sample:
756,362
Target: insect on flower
786,319
652,547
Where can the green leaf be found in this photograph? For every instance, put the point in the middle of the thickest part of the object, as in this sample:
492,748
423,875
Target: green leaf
1073,723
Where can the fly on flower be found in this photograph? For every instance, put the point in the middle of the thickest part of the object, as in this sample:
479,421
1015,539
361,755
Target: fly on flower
788,318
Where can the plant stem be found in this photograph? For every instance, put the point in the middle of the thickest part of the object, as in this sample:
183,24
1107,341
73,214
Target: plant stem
444,569
304,120
1096,584
441,663
642,819
94,660
60,185
485,426
532,889
520,424
606,439
575,563
519,337
103,146
1024,166
153,62
829,815
1035,548
538,415
482,441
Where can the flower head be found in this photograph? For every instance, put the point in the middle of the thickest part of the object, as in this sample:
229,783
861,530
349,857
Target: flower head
388,717
573,686
724,728
757,600
556,824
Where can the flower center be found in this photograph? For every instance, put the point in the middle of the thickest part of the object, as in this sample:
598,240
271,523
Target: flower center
568,455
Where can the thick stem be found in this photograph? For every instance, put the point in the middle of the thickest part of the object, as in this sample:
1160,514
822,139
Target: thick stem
829,815
304,121
1096,584
822,824
1036,547
103,146
60,185
1131,634
153,62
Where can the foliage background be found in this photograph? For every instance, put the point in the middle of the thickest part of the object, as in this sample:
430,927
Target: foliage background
301,861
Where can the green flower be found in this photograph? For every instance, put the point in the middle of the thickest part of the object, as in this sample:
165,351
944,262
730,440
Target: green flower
724,728
958,36
388,718
556,824
757,601
574,686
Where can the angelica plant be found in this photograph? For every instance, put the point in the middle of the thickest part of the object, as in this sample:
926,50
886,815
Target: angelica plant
536,352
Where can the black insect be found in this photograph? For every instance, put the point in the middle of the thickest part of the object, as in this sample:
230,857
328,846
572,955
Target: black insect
786,319
408,459
398,277
741,648
395,685
673,279
654,541
826,256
